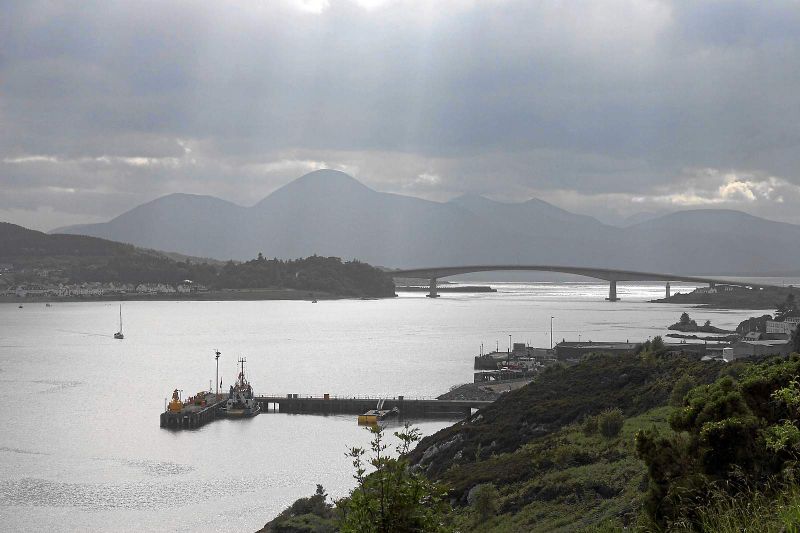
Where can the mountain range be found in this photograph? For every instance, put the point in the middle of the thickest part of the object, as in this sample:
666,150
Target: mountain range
329,213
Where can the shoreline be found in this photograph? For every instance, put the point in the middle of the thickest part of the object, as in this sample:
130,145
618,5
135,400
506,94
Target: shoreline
218,295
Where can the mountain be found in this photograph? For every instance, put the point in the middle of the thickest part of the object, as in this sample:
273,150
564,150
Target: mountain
330,213
18,242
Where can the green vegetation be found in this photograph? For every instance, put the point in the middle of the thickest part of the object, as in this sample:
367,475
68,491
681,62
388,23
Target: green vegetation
79,259
307,515
738,298
315,273
736,436
393,498
687,324
601,446
786,308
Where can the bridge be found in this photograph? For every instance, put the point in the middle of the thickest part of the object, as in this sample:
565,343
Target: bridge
607,274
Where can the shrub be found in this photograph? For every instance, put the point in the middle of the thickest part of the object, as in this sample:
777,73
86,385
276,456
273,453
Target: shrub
483,500
610,422
679,391
393,498
589,426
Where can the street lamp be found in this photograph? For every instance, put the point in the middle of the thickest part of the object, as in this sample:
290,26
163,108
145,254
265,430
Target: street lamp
551,332
217,353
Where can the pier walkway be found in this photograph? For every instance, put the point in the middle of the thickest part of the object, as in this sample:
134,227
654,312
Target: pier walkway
408,407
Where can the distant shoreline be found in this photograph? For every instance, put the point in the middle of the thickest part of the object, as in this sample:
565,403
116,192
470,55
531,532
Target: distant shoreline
218,295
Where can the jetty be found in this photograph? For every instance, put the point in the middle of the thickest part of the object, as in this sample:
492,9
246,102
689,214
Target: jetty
357,405
194,414
197,414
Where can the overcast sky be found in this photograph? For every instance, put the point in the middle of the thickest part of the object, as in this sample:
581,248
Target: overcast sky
608,108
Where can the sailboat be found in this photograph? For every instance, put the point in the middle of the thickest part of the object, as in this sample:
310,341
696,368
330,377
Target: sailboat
119,335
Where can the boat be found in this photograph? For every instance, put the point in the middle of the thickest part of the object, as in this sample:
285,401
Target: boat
241,402
373,416
119,335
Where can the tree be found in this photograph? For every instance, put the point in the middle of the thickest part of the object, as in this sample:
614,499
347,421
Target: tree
796,339
786,308
393,498
685,319
679,391
657,344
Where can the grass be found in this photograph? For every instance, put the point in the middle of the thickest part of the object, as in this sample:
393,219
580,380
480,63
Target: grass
566,481
752,511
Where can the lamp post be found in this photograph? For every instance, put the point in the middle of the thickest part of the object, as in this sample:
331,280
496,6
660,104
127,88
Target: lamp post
551,332
217,354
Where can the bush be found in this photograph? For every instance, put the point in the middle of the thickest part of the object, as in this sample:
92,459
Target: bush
679,391
589,426
733,434
393,498
610,422
483,500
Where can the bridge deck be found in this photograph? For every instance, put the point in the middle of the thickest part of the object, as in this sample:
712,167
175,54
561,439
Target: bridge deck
608,274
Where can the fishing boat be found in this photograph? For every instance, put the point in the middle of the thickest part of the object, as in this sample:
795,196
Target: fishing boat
241,403
119,335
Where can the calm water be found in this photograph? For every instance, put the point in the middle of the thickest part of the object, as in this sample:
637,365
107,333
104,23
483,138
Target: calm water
81,447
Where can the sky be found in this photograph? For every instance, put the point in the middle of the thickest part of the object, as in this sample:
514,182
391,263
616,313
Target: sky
609,108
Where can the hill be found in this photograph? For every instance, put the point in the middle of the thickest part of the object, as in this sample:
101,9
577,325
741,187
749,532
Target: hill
327,212
40,258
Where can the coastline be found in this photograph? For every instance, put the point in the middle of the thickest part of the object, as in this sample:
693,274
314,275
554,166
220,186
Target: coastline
216,295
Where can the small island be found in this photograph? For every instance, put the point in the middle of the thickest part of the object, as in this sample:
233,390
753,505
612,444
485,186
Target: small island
687,325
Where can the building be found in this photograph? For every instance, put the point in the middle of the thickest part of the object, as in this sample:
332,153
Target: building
745,348
786,327
576,350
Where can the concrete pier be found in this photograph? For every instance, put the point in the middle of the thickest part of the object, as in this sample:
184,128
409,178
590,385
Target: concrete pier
612,291
192,416
408,407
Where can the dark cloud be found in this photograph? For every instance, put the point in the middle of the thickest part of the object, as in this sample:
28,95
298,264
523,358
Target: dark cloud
595,105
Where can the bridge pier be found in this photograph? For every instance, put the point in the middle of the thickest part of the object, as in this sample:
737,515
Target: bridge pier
434,292
612,291
668,291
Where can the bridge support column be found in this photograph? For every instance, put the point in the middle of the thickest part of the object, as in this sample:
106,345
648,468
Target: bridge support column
612,291
434,293
668,291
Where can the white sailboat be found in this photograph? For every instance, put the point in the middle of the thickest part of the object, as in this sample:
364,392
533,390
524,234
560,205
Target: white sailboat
119,335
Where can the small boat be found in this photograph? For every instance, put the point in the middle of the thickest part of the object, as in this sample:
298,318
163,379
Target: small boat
373,416
119,335
314,301
241,403
48,305
20,307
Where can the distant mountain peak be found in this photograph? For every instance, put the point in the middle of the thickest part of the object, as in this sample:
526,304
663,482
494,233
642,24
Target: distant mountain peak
319,183
328,178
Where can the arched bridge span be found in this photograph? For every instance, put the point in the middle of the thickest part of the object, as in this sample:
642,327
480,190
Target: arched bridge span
607,274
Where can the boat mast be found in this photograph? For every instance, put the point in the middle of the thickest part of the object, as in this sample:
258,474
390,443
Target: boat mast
120,318
242,360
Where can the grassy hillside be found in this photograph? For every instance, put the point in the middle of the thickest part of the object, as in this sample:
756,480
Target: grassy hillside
542,458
